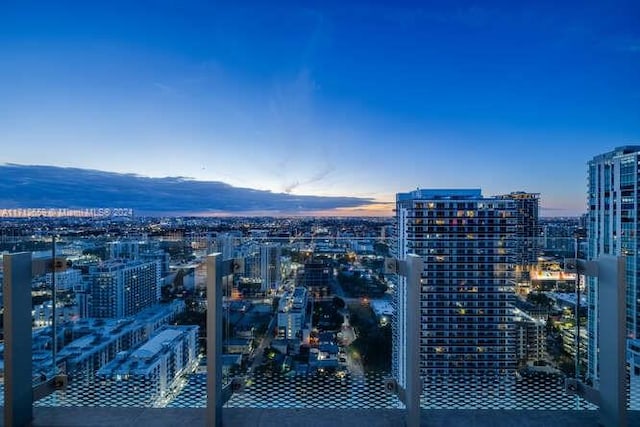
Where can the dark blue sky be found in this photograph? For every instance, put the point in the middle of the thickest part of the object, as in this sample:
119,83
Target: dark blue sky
329,98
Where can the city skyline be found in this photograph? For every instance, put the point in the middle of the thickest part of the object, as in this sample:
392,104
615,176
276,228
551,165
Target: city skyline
362,101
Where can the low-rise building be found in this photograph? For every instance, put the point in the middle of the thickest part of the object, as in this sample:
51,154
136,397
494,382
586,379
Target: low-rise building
65,280
383,310
568,332
294,315
238,346
531,338
98,341
147,373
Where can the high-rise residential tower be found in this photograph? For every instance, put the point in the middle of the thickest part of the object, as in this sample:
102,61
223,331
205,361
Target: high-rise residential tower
612,228
270,274
527,231
120,288
466,317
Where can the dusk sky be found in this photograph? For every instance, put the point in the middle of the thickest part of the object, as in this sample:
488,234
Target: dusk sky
342,98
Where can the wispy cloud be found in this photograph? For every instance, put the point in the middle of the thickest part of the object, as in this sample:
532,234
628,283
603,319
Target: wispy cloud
320,175
292,186
317,177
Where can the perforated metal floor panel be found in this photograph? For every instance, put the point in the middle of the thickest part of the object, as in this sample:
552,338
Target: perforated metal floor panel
329,391
507,392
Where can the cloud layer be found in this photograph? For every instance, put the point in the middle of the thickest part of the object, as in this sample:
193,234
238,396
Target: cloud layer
30,186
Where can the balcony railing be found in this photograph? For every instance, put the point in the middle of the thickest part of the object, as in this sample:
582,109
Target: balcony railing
269,379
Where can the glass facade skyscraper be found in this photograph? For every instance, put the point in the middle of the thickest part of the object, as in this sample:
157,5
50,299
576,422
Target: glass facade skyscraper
613,229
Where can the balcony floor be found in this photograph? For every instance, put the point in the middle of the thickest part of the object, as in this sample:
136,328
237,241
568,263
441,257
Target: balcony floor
249,417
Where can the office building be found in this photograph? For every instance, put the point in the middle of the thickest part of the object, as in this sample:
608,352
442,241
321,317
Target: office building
612,228
466,317
316,278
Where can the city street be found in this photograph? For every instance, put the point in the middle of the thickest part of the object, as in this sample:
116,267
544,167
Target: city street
258,353
348,335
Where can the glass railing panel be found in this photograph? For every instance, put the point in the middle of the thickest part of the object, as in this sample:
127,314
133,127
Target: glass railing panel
337,352
487,357
338,355
6,244
37,277
125,337
633,386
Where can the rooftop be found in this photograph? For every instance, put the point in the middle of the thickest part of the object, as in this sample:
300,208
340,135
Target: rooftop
453,193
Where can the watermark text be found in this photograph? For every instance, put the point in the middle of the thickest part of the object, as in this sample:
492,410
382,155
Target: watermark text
66,212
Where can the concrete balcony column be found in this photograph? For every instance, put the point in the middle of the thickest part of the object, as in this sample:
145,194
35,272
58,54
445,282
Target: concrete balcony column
18,393
214,340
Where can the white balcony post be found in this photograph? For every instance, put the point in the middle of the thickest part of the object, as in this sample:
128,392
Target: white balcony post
414,266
